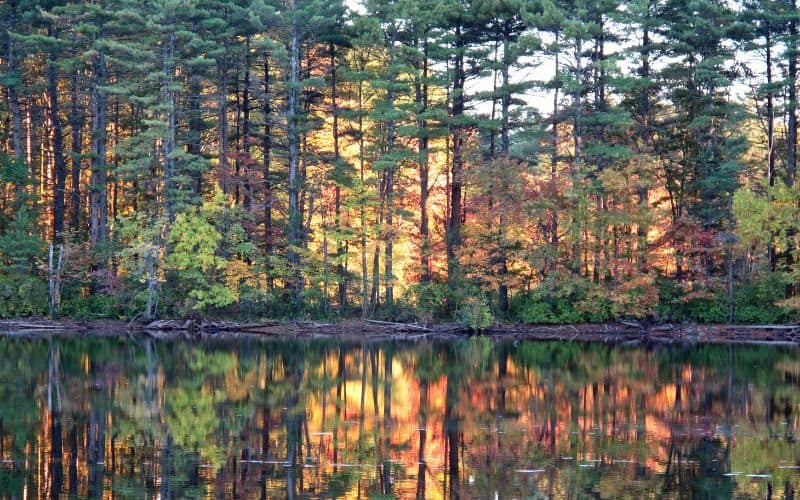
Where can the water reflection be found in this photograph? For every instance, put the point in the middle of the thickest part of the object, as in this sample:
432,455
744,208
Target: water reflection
257,418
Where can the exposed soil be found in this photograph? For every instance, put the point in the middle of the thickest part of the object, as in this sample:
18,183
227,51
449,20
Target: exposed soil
623,332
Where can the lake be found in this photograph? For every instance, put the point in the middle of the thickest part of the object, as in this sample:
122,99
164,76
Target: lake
250,417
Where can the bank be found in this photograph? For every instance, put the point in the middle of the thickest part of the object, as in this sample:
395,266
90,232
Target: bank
619,333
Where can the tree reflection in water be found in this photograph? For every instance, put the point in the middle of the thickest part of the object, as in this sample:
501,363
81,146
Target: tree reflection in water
262,418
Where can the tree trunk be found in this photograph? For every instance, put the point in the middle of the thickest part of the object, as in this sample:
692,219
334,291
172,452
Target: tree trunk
246,126
642,192
791,167
168,140
266,146
453,238
421,96
195,119
293,139
770,132
222,69
99,188
792,127
76,125
505,105
59,161
554,164
340,274
577,144
389,194
13,101
362,202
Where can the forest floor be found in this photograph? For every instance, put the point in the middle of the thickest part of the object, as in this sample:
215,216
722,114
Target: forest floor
621,333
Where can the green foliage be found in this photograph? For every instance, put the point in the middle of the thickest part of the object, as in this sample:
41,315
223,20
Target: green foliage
194,257
22,296
77,305
22,290
475,313
20,246
573,300
429,299
13,171
758,301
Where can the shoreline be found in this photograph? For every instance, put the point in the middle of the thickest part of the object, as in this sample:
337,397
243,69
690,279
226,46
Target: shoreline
625,333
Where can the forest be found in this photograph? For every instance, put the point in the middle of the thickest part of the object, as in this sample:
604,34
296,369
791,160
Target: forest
533,161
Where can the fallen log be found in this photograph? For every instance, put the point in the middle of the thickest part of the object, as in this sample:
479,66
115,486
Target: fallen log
41,326
398,326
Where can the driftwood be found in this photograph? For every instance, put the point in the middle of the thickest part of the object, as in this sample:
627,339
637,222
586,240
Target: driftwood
398,326
24,325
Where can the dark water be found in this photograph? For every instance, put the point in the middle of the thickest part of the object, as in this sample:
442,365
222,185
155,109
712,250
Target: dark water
133,418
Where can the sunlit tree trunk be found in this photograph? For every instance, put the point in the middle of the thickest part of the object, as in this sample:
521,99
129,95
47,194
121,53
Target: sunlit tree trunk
76,126
340,273
423,158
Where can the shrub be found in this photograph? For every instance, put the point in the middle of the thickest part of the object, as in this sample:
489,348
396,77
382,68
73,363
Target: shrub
564,300
758,301
92,306
428,299
475,313
22,296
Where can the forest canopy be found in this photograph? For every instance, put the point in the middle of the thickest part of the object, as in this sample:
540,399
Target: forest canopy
542,161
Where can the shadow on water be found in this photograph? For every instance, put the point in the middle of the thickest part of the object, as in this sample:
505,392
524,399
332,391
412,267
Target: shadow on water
258,418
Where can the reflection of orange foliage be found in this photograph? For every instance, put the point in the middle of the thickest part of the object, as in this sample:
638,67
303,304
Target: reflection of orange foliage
623,413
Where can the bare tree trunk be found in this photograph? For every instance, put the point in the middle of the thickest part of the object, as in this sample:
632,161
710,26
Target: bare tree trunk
152,282
54,266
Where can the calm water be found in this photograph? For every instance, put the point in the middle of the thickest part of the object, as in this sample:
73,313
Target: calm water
250,418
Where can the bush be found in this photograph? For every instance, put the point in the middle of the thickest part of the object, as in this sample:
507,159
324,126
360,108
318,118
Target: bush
475,313
428,299
758,301
23,296
564,300
92,306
